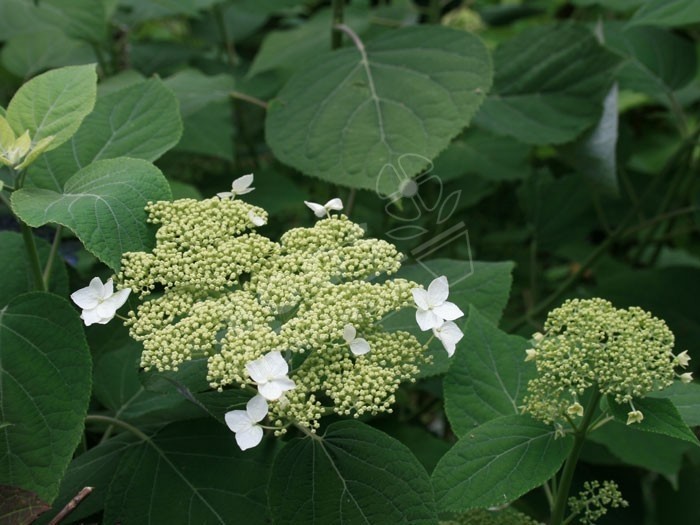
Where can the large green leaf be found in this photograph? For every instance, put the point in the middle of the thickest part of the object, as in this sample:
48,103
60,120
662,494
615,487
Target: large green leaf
669,13
195,90
660,417
497,462
44,391
686,398
103,204
656,61
54,103
15,277
141,121
484,285
356,112
190,473
488,377
353,474
549,86
82,19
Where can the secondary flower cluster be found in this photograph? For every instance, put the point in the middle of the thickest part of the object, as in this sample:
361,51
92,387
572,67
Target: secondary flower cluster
297,321
593,501
624,353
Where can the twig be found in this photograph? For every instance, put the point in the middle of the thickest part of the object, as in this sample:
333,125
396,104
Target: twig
70,506
248,98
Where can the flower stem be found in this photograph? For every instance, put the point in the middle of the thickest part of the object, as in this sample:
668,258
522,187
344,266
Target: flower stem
33,256
336,34
567,474
52,255
112,421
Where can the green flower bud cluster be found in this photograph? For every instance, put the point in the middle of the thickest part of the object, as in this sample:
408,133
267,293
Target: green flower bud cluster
595,499
213,288
624,353
507,516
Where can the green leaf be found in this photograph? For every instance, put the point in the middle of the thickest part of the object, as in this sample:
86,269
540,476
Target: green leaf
141,121
668,13
29,53
595,154
660,417
54,103
353,474
549,86
484,285
44,391
404,96
94,468
616,5
195,90
488,377
686,399
655,452
497,462
81,19
15,278
656,61
19,506
191,472
103,204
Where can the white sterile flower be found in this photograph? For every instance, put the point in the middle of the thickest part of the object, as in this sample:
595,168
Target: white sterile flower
683,359
449,335
530,354
433,306
240,186
245,422
687,377
321,210
358,345
99,302
270,374
256,219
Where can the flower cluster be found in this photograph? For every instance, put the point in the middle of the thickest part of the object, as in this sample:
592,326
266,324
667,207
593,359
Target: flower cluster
588,343
297,321
595,499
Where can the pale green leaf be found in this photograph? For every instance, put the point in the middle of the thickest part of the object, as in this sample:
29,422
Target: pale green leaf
353,474
549,86
488,376
44,390
353,113
140,122
103,204
54,103
190,473
498,462
668,13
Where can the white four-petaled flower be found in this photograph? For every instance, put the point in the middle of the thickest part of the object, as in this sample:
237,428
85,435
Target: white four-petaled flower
358,345
99,302
449,335
433,307
245,422
270,374
321,210
256,219
240,186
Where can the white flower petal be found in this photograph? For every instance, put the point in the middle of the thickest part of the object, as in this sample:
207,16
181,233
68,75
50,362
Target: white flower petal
249,438
334,204
285,383
271,390
420,296
117,300
359,346
257,220
91,317
448,311
225,195
349,333
438,291
256,408
241,185
449,334
426,319
238,420
277,364
85,298
108,289
258,371
104,310
318,209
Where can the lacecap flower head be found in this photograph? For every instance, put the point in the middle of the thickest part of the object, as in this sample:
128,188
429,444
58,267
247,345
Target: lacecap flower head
297,319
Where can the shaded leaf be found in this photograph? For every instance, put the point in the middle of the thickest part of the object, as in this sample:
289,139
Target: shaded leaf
686,399
669,13
660,417
44,390
19,506
353,474
342,118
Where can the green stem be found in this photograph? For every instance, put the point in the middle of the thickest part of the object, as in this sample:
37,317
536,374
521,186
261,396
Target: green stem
350,203
112,421
248,98
225,37
33,256
567,474
52,255
337,19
